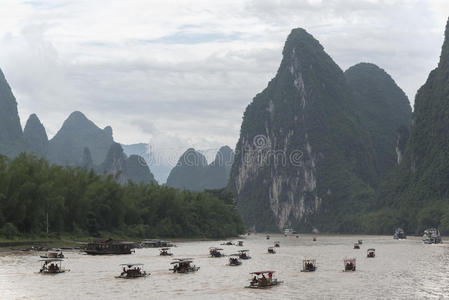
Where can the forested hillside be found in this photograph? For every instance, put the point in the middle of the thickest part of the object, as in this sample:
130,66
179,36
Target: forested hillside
84,203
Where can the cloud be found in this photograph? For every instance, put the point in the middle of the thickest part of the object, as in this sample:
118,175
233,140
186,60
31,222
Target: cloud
180,73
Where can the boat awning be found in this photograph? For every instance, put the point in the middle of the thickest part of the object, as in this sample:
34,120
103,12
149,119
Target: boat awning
181,261
51,259
261,272
131,265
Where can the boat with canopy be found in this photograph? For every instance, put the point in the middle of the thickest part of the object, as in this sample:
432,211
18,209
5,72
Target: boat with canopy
52,266
259,280
183,265
131,271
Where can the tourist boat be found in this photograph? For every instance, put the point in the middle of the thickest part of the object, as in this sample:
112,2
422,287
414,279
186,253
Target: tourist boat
360,242
277,244
268,237
228,243
432,236
234,260
239,243
399,234
261,281
156,244
52,266
183,265
131,271
243,254
309,265
271,250
165,252
109,247
371,252
349,265
53,253
288,231
215,252
356,246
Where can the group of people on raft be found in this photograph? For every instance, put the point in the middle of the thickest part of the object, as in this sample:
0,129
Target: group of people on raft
262,281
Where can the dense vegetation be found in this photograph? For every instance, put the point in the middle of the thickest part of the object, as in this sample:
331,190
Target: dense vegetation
84,203
416,195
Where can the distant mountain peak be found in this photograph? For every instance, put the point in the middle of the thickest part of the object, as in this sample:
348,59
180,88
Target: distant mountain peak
36,136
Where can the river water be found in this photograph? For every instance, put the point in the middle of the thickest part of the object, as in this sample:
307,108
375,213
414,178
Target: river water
405,269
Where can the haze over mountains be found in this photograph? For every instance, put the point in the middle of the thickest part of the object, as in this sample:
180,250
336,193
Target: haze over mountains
319,148
79,142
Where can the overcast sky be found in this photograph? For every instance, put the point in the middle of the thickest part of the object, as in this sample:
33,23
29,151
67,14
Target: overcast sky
180,73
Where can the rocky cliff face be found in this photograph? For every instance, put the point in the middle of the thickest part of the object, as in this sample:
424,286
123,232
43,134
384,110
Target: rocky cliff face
303,158
193,173
35,136
187,172
423,176
78,132
124,169
383,109
11,139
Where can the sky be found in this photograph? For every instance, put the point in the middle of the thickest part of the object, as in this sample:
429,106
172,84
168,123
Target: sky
179,74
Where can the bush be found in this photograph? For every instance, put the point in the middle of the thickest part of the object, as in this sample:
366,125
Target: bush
9,231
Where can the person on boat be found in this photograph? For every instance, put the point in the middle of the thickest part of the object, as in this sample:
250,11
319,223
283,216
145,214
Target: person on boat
255,279
263,280
270,277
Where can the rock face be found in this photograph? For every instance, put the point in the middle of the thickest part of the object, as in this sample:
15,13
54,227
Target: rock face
77,133
423,174
138,170
35,136
124,169
383,109
159,163
303,158
193,173
87,162
11,139
189,170
216,175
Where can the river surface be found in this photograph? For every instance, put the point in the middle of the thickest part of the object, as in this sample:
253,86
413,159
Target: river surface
405,269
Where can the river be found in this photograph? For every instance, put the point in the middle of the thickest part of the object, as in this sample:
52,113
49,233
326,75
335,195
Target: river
406,269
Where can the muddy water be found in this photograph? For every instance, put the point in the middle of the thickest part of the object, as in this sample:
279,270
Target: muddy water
401,270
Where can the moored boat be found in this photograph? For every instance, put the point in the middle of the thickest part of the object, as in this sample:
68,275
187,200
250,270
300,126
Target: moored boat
349,264
53,253
356,246
360,242
371,252
131,271
399,234
156,244
261,281
109,247
239,243
309,265
271,250
183,265
277,244
52,266
432,236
